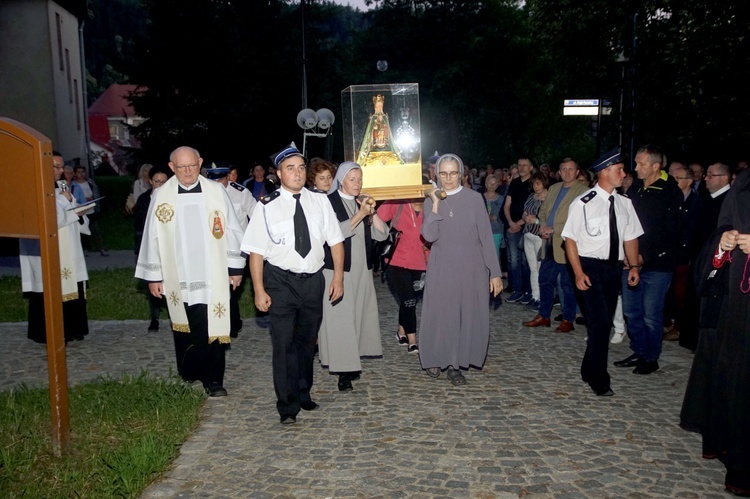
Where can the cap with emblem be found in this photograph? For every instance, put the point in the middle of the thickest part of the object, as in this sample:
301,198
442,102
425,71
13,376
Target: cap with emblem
288,152
610,158
216,172
433,159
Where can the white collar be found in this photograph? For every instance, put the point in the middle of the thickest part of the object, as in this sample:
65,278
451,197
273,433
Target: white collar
345,196
604,193
191,186
720,191
455,191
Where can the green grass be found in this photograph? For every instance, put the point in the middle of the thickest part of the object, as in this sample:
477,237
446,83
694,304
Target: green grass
123,435
116,226
112,295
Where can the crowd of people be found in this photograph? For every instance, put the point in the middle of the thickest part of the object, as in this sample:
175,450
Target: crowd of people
659,253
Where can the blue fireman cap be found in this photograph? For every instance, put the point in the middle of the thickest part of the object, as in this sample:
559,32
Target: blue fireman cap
288,152
608,159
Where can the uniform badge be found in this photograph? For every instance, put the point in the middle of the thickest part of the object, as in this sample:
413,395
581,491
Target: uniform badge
164,213
217,223
588,197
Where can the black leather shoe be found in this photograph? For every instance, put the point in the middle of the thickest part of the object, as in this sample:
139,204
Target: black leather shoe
646,367
214,389
154,325
308,405
288,419
631,361
603,392
354,376
345,383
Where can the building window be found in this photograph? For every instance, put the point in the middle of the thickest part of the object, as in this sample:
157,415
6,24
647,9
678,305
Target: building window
58,23
78,106
67,64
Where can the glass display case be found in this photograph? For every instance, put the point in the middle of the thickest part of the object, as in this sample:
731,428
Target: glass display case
382,133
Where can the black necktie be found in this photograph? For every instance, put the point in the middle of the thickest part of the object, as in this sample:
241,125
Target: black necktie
614,239
301,232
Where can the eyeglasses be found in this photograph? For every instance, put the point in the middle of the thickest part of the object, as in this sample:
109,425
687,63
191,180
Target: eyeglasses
448,174
186,167
709,175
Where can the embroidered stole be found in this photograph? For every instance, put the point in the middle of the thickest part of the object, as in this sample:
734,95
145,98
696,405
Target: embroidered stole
214,237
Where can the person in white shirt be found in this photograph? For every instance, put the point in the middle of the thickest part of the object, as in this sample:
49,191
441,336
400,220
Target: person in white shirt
285,242
595,250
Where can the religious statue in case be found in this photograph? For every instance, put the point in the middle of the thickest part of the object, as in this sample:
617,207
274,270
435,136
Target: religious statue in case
378,146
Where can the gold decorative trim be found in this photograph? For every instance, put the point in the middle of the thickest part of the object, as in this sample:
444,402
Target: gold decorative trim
70,296
224,340
65,273
180,328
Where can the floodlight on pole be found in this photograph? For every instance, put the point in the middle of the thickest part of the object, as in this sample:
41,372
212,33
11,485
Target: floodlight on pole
315,124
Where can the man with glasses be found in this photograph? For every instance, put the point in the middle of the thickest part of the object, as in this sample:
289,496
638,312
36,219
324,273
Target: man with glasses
717,186
73,270
190,254
552,217
519,273
699,185
657,200
675,304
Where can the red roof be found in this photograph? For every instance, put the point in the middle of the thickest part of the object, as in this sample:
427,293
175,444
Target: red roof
114,101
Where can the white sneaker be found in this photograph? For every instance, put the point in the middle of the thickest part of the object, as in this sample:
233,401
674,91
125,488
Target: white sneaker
617,337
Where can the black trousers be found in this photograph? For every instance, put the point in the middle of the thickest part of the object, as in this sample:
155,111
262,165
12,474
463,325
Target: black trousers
402,281
75,317
234,307
295,315
197,359
598,305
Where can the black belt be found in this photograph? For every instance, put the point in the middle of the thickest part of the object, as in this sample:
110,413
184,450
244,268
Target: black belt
602,261
297,275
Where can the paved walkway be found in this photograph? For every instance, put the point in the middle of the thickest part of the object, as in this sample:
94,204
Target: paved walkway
524,426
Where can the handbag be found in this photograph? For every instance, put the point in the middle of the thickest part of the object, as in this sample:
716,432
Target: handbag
388,246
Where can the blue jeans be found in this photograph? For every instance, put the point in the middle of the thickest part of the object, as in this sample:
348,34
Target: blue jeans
643,308
519,273
548,274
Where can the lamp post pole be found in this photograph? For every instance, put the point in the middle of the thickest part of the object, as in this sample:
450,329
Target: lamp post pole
304,57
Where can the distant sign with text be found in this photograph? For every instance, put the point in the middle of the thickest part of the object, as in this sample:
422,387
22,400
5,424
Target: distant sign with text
581,102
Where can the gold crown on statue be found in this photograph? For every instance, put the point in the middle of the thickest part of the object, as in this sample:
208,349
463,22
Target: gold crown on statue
378,98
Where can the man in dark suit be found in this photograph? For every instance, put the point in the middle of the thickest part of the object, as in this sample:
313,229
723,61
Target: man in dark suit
717,185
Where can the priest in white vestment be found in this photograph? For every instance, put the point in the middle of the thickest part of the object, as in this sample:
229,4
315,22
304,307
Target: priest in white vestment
190,252
73,272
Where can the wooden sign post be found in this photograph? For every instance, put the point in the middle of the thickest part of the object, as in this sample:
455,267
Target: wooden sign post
31,213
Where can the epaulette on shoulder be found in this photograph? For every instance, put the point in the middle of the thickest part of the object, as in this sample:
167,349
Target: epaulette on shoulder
237,186
267,199
588,197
